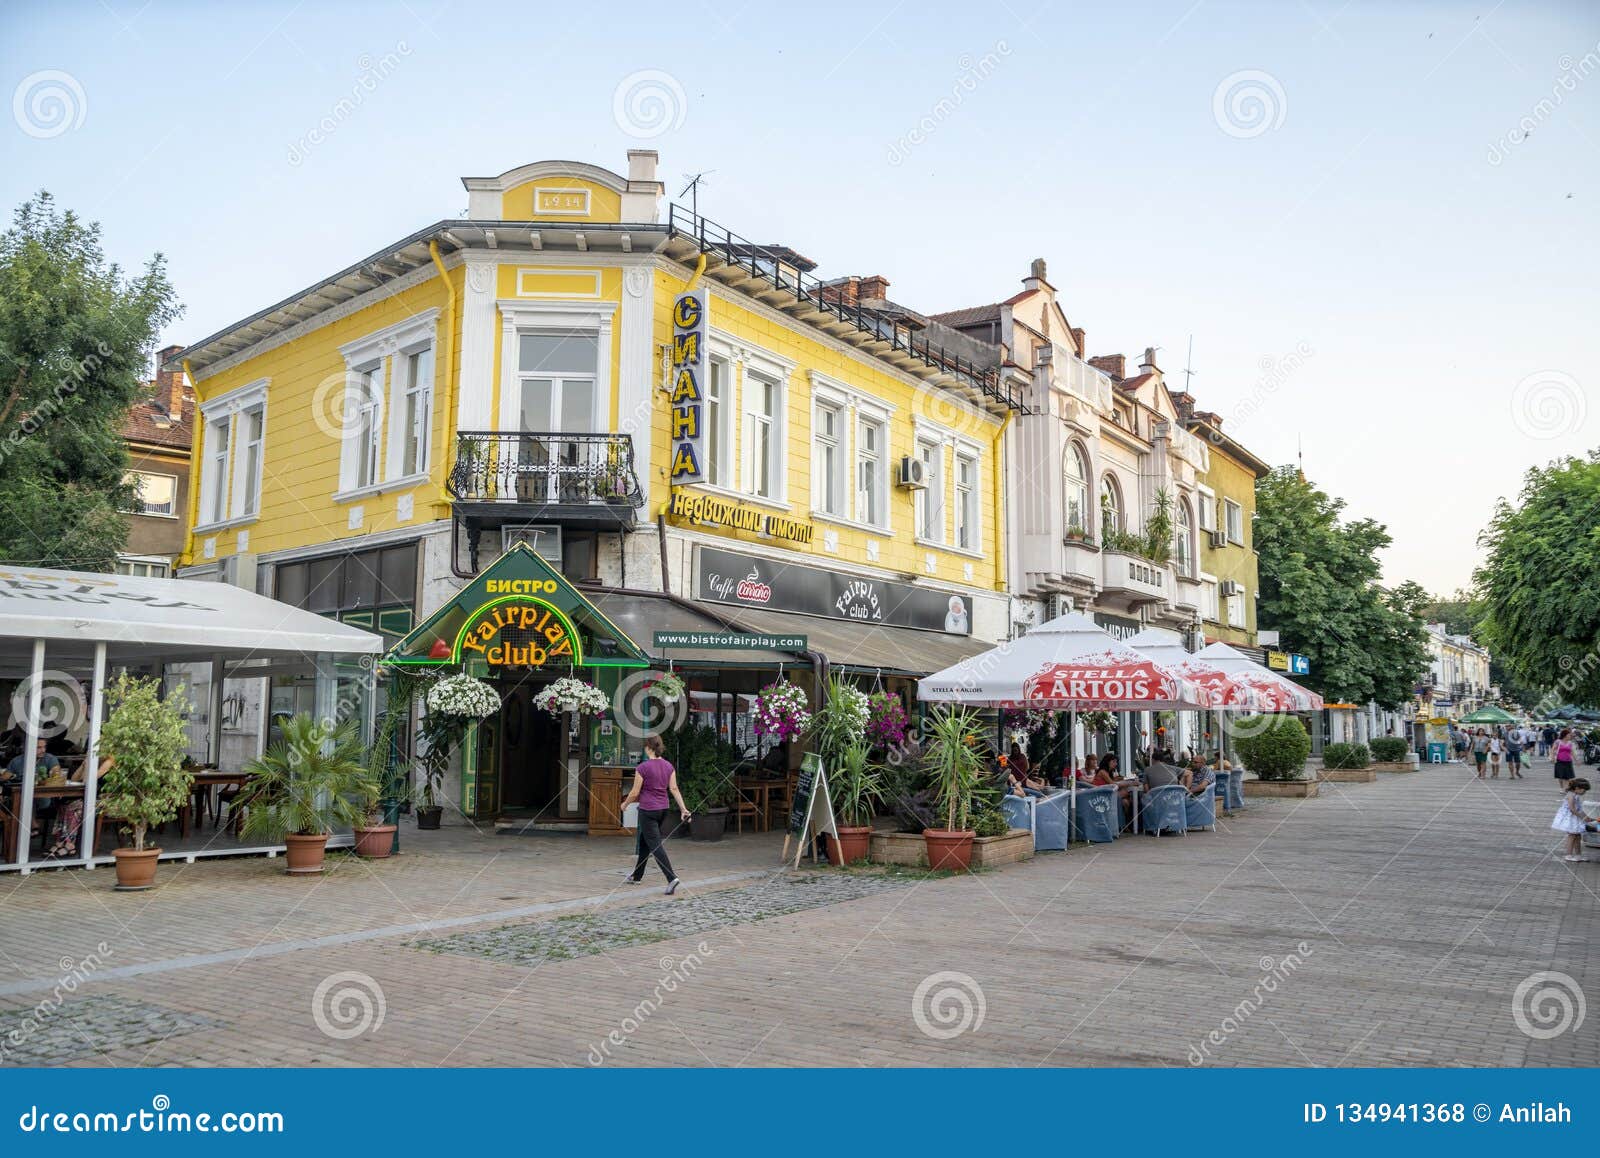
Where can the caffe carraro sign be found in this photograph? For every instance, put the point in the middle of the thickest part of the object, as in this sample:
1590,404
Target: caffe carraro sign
711,511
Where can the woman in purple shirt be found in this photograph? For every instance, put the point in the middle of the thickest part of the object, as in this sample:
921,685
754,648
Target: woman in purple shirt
655,785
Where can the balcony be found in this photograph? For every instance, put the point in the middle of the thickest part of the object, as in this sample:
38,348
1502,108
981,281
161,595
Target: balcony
579,480
1134,578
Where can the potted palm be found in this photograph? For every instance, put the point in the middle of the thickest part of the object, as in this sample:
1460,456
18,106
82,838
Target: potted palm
310,782
954,760
855,783
147,782
837,730
375,836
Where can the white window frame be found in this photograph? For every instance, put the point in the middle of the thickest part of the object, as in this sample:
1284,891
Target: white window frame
1243,617
147,562
134,476
246,502
839,443
1233,512
720,416
934,493
1208,509
868,416
763,365
422,422
520,317
1075,452
223,492
373,364
754,380
1184,561
968,509
1210,600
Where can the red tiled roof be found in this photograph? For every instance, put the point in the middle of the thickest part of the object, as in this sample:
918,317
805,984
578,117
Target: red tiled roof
150,421
1133,383
969,316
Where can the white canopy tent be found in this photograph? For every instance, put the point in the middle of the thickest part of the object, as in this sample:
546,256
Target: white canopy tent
58,625
1067,664
1274,692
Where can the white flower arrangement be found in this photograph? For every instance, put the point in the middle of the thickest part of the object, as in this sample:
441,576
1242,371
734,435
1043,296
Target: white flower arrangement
463,695
781,710
668,686
572,695
852,708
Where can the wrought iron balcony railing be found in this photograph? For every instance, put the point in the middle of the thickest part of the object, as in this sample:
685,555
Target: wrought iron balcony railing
533,468
763,262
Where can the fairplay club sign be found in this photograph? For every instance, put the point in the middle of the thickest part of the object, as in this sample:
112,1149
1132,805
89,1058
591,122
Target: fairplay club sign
518,633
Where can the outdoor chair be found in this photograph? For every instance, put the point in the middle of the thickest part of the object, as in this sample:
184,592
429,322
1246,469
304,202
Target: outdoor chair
1201,811
1165,810
1233,782
1098,817
1044,816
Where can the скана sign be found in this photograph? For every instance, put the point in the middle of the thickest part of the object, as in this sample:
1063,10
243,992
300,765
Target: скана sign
689,323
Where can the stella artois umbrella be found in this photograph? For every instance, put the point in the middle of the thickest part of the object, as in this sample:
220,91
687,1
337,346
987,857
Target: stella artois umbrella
1275,693
1225,691
1067,664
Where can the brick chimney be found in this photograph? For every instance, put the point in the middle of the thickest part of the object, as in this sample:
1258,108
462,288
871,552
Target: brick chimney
845,291
1035,277
169,385
873,287
1079,340
1114,364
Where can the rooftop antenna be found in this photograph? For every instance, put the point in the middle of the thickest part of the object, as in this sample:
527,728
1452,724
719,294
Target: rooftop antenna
1300,455
1188,362
692,189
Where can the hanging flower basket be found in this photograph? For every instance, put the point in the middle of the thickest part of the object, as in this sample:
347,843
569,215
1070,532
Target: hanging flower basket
572,695
886,721
463,696
668,686
781,711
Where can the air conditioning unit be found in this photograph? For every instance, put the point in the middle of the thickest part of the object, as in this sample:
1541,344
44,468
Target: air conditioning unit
1229,587
913,473
239,570
1218,538
1057,606
545,541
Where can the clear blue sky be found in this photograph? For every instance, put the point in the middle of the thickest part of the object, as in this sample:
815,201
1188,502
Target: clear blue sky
1430,272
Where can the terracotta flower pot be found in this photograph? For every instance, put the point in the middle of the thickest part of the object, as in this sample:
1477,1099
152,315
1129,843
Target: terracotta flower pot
375,843
948,850
306,853
853,844
136,869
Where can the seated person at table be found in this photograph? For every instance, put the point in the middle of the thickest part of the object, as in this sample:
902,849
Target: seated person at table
45,766
1018,784
1161,772
1017,767
1201,778
69,819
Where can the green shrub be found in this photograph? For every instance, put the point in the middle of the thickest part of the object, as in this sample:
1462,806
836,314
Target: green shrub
1390,749
1346,756
991,823
1273,747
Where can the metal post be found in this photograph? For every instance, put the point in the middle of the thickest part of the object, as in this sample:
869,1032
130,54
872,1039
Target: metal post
214,724
30,758
91,754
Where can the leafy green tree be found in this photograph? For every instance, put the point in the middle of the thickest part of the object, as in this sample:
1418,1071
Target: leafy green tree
1538,582
146,784
75,339
1459,613
1319,589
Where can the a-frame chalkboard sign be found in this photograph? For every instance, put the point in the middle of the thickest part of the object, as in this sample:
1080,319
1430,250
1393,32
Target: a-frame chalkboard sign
812,811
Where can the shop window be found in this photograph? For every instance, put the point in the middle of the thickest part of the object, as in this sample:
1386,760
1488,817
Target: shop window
397,575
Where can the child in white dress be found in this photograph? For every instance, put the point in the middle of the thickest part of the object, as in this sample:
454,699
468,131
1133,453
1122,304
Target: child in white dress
1571,820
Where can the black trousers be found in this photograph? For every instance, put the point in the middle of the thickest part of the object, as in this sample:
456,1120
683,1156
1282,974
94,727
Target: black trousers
650,844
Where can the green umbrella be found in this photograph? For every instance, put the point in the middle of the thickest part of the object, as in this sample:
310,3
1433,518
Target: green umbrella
1489,715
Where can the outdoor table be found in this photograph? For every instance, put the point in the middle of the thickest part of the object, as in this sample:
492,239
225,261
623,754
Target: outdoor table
206,782
8,813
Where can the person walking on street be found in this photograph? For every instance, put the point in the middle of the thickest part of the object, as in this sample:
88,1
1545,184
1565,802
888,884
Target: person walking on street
1480,750
1564,750
1497,747
655,786
1571,820
1514,743
1547,737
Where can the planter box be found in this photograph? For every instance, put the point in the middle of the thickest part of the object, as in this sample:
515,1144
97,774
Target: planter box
903,848
1397,766
992,851
910,850
1350,775
1303,789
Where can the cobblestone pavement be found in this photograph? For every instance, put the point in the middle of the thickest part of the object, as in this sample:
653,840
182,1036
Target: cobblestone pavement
1424,919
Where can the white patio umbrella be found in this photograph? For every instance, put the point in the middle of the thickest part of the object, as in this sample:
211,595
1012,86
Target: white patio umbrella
1066,664
1276,693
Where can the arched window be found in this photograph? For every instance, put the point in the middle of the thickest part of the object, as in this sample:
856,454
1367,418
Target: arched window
1112,518
1183,547
1075,489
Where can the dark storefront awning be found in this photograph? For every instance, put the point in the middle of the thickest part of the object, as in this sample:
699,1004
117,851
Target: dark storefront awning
867,646
642,614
